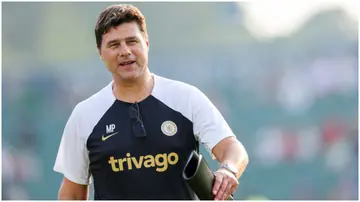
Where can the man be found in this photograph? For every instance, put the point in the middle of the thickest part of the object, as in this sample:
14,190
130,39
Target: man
134,136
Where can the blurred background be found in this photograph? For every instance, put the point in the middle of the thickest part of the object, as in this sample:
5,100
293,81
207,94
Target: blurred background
283,74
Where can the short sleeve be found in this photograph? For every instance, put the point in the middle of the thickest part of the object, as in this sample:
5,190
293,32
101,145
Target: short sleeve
209,125
72,159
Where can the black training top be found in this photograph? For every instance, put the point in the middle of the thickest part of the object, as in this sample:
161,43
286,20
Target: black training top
104,140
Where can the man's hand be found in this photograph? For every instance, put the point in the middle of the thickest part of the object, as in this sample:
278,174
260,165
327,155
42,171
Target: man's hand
225,184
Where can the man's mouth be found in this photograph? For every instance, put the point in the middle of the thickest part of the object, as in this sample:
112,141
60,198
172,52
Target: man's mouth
127,63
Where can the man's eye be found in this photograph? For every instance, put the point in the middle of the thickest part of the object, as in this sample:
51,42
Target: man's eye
132,41
114,45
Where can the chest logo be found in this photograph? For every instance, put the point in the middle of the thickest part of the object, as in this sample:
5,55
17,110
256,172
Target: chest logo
103,138
169,128
109,131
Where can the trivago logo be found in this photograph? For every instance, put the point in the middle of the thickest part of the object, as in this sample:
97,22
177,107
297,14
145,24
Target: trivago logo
160,161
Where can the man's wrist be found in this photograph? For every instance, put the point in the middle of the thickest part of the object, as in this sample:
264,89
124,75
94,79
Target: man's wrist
230,168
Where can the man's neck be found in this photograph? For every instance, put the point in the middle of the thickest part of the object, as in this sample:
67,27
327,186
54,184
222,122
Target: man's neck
135,90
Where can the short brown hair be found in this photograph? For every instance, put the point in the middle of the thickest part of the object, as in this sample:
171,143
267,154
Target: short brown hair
116,15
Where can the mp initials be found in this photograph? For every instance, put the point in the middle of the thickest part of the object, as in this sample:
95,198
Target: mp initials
110,128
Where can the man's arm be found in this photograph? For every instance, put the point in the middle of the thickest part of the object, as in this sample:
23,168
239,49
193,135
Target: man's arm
231,151
228,151
215,134
72,160
73,191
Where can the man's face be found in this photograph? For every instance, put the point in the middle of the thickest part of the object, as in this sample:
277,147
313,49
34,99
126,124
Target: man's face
124,50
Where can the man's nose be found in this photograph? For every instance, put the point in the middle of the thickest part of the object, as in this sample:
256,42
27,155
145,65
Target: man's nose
124,51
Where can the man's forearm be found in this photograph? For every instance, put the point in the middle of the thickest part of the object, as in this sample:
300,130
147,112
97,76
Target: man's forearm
228,151
236,155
